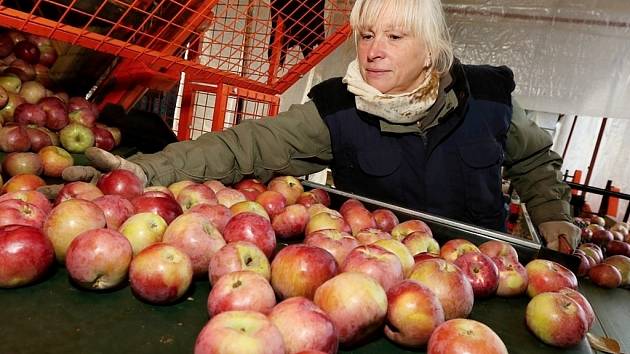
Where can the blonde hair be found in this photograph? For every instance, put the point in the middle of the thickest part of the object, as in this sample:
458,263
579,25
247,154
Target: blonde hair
423,18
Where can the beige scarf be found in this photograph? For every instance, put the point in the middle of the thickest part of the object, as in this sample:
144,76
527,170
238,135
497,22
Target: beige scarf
402,108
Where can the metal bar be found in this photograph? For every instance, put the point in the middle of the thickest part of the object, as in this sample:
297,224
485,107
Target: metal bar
566,145
220,107
186,113
598,190
596,150
603,205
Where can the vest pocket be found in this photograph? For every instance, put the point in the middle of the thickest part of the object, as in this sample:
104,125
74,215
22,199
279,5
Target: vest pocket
379,162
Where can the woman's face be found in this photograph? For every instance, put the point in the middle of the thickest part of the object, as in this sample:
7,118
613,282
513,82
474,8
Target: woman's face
391,60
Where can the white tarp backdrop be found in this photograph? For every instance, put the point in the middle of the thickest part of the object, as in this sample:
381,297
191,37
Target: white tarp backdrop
568,57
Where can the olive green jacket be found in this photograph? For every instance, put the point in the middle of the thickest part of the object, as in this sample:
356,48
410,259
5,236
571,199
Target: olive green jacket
297,142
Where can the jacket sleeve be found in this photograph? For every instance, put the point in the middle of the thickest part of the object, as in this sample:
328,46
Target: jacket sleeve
296,142
535,171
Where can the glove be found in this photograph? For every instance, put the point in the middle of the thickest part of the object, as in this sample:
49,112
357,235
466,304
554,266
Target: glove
103,161
560,235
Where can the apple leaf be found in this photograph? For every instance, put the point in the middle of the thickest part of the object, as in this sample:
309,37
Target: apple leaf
604,344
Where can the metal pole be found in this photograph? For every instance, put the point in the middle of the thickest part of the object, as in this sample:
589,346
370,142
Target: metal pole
566,146
595,151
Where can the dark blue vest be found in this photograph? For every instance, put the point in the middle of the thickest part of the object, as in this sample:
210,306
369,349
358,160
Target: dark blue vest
453,171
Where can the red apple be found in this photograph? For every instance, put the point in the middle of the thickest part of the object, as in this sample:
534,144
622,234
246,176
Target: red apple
304,326
14,138
39,137
214,185
556,319
291,222
585,264
481,272
356,304
288,186
349,204
512,277
121,182
69,219
420,242
359,219
250,183
424,255
98,259
496,248
326,221
405,228
143,229
160,274
239,332
218,214
371,235
308,199
241,291
29,113
322,196
336,242
448,283
251,227
167,208
622,263
18,212
176,187
321,208
592,250
249,206
115,208
605,275
602,237
453,249
165,192
27,51
615,247
598,220
586,235
86,117
272,201
375,261
465,336
25,182
413,313
13,101
25,255
54,160
237,256
16,163
78,190
194,194
547,276
103,138
33,197
229,196
194,234
385,219
403,254
589,314
298,270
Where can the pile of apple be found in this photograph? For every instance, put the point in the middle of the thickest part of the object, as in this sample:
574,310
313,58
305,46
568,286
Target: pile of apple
33,117
288,273
604,253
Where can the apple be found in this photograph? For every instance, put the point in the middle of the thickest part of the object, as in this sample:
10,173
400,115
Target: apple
214,184
424,255
377,262
586,235
14,138
29,113
25,255
359,219
25,182
602,237
86,117
218,214
237,256
465,336
496,248
453,249
176,187
622,263
160,274
76,137
356,304
121,182
592,250
288,186
103,138
321,208
194,234
403,254
615,247
54,160
307,199
250,187
385,219
229,196
556,319
405,228
272,201
337,243
249,206
18,212
419,242
585,264
251,227
32,92
298,270
481,272
605,275
325,221
167,208
33,197
98,259
513,278
448,283
547,276
78,190
240,332
598,220
194,194
349,204
413,313
241,291
589,314
115,208
69,219
371,235
39,138
11,83
291,222
16,163
56,113
165,192
143,229
27,51
322,196
304,326
13,101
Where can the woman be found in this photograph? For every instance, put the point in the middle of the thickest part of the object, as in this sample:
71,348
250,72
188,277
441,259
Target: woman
408,124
